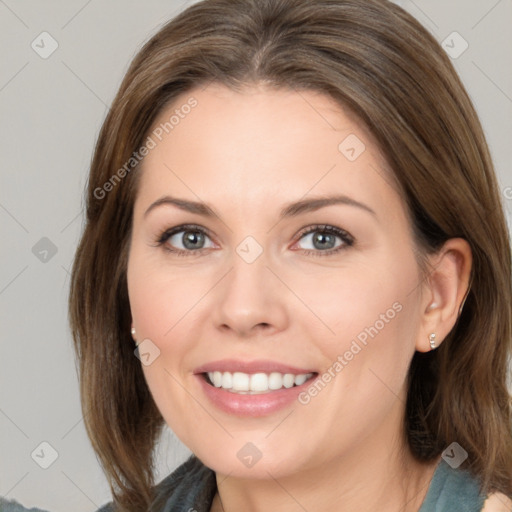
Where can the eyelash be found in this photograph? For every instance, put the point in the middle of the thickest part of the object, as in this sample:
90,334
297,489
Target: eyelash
347,239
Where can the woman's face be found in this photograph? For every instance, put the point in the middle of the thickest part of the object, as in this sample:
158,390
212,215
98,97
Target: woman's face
237,269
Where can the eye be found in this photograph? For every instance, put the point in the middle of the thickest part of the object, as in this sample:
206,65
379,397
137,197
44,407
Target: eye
320,240
185,239
325,240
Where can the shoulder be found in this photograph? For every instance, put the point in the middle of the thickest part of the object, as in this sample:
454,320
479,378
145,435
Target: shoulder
109,507
191,485
14,506
453,489
497,502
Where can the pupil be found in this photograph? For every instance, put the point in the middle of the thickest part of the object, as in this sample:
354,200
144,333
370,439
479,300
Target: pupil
320,239
191,238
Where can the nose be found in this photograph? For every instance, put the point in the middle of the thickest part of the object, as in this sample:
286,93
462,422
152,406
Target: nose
250,300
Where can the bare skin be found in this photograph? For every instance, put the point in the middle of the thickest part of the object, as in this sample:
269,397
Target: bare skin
248,155
497,502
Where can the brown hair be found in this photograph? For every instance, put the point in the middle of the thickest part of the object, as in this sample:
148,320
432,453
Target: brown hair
377,60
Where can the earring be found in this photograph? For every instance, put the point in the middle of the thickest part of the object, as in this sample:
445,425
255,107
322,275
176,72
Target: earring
432,339
133,333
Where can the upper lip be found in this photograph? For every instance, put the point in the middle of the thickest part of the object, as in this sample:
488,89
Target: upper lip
256,366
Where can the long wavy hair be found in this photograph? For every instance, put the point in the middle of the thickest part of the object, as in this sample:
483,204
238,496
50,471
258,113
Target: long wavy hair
375,59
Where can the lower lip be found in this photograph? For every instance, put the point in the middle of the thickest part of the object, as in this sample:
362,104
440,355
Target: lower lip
261,404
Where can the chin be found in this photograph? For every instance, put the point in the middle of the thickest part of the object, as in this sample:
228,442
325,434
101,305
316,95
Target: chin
255,460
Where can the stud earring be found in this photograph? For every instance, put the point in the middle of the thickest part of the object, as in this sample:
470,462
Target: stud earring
133,333
432,339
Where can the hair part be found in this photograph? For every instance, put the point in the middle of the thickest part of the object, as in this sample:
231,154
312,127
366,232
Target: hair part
375,59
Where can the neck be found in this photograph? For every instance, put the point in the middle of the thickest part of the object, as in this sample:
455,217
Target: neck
378,474
333,490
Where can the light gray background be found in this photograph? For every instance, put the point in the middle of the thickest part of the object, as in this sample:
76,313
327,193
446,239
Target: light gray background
51,113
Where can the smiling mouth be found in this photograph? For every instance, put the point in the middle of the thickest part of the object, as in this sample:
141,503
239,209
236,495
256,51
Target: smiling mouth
256,383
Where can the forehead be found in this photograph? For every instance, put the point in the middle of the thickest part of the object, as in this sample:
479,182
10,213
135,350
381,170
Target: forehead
261,144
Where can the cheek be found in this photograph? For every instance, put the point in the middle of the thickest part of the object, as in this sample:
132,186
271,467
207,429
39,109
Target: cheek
159,297
159,302
372,316
356,301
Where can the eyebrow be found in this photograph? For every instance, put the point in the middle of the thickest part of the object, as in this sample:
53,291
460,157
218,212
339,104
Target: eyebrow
290,210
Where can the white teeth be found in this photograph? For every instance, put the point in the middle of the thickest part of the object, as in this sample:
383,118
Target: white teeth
245,383
217,379
240,381
288,380
259,382
275,380
227,380
300,379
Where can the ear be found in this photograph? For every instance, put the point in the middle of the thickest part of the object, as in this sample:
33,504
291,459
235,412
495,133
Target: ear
444,291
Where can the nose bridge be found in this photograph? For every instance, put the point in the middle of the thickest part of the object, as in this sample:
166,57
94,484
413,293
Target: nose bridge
250,294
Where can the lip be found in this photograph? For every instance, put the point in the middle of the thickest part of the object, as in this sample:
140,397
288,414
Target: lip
257,405
256,366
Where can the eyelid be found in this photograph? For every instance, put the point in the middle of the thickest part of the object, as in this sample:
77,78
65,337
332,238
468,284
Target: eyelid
167,233
347,238
328,228
163,237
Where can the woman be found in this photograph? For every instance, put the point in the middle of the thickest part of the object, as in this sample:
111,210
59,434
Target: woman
295,256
